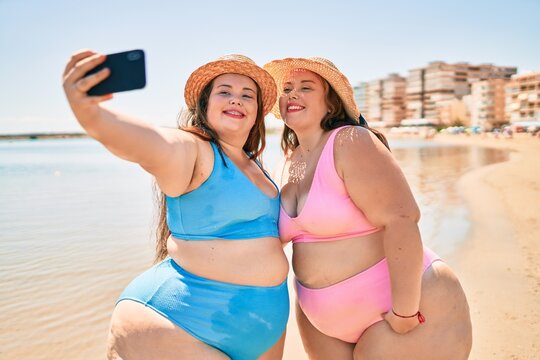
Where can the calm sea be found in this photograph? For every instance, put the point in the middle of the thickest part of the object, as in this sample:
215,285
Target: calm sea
76,226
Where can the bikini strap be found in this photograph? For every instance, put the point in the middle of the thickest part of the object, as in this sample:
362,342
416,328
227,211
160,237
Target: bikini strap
327,169
266,174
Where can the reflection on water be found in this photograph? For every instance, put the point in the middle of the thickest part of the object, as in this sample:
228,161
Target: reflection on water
432,172
76,223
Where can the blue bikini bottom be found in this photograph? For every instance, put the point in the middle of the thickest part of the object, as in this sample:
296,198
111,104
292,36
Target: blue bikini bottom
240,320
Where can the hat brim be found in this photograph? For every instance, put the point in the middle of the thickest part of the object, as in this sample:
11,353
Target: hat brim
280,69
201,77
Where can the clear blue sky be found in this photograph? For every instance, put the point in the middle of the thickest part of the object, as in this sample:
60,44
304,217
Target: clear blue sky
365,39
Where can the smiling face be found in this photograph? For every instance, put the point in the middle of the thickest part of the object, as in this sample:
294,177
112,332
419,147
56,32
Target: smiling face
303,99
232,105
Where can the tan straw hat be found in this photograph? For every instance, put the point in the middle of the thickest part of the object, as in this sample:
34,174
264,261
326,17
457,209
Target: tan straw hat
231,64
279,69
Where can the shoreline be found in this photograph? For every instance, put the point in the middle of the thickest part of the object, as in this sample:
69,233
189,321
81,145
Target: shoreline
499,262
42,136
38,136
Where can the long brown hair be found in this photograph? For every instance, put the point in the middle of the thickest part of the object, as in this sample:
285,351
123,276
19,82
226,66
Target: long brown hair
335,118
195,121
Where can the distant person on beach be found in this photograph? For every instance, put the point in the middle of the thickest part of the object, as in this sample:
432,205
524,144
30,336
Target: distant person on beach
222,290
367,288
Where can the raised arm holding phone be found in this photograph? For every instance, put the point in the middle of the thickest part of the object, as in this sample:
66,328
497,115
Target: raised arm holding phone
219,288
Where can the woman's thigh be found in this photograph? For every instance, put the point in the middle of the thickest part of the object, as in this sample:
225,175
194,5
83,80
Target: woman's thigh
138,332
276,351
446,334
319,346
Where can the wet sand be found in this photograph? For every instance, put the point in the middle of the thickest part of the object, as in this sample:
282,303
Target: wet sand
499,263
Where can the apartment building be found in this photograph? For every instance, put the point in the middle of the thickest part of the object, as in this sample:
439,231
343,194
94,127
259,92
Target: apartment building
488,100
523,98
414,94
361,97
374,100
435,93
455,112
393,100
435,87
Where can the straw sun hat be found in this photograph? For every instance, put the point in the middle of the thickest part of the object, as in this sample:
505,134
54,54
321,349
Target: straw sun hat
231,64
280,69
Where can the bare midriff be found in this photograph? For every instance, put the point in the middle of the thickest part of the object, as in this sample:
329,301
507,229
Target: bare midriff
324,263
256,262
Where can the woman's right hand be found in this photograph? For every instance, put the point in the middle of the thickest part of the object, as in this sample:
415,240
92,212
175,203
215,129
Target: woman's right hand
399,324
76,84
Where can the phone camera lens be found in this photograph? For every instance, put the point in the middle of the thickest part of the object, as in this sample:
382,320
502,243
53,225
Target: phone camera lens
133,56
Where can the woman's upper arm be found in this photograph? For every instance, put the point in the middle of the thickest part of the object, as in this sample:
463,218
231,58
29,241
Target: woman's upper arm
373,178
174,166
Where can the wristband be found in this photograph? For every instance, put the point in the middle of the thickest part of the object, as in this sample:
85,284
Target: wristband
418,314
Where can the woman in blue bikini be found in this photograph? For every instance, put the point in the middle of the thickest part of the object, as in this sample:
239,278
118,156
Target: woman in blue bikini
220,288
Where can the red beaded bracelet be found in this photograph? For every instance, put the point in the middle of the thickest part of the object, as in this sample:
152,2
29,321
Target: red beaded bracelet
421,318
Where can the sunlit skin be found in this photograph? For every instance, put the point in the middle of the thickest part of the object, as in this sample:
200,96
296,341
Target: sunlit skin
232,105
302,100
377,186
180,162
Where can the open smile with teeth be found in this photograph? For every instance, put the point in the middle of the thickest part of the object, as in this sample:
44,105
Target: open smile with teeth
233,113
294,108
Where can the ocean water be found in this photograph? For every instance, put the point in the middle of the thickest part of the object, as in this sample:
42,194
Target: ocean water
76,226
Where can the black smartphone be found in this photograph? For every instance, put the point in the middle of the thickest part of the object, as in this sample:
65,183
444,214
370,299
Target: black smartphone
127,73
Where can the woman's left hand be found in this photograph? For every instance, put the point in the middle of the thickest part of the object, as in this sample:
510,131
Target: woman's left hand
401,325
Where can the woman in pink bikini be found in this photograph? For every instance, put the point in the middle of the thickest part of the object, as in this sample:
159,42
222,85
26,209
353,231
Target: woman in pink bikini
367,287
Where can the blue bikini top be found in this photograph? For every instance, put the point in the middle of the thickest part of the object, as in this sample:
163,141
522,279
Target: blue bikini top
226,206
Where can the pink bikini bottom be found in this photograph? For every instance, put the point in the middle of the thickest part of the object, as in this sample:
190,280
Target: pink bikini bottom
346,309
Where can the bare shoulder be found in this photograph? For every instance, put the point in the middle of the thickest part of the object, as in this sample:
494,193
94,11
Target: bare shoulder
372,177
185,142
356,138
189,159
179,135
356,145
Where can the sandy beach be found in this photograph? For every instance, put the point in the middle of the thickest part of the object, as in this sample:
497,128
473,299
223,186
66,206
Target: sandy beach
499,263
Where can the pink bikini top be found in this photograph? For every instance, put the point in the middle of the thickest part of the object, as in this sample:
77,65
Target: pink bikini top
329,213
